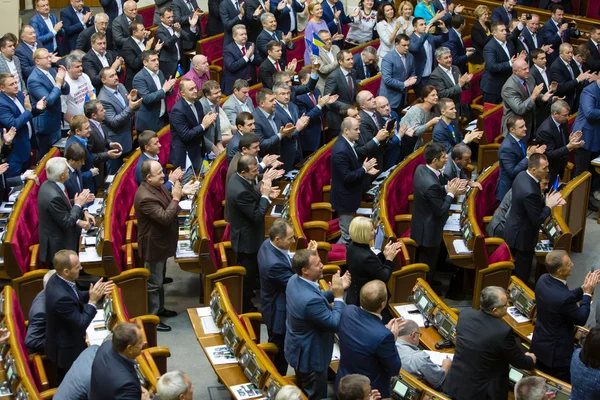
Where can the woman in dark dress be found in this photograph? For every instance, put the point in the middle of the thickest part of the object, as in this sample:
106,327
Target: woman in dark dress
480,34
364,265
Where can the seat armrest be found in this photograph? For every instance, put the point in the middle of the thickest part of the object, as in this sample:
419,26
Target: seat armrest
34,249
48,394
315,230
321,212
38,363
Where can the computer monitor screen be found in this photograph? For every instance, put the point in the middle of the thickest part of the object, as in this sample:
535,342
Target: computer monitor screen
466,232
400,388
447,325
515,375
522,300
252,367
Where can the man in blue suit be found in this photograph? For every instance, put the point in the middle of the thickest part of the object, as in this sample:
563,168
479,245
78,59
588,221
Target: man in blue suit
422,47
312,104
16,111
113,8
232,13
275,270
40,22
398,74
447,132
365,63
45,83
588,122
75,17
24,51
505,12
238,60
350,176
499,54
75,155
460,54
336,18
514,154
558,313
367,346
287,17
557,31
312,322
393,151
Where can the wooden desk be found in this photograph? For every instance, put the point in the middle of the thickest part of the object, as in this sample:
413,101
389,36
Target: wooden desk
461,260
523,330
429,336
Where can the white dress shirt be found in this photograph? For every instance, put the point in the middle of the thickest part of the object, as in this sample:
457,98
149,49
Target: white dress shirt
504,47
544,76
48,23
449,73
22,109
140,44
172,32
102,58
158,87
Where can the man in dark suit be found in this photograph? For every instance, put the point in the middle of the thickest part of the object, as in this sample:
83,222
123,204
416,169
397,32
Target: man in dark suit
120,107
188,127
350,176
232,13
275,270
45,83
287,15
557,31
527,213
172,35
247,205
214,26
120,24
336,18
25,49
365,63
97,58
557,314
433,196
78,159
269,32
393,151
250,145
238,60
554,133
531,37
297,90
570,79
39,22
485,350
271,65
312,321
460,157
460,54
150,147
112,8
514,154
244,123
398,74
16,111
185,11
75,18
505,12
422,47
69,311
60,222
447,132
99,144
541,75
343,83
498,54
313,105
115,370
132,51
153,88
84,40
35,339
373,138
156,211
367,346
593,45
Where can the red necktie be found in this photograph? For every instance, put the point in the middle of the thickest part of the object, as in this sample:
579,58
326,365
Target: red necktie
244,51
67,196
277,67
526,87
312,98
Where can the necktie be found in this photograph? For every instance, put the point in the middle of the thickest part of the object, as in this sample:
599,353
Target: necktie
277,67
237,6
350,86
244,51
523,149
570,71
376,121
563,135
526,87
598,46
194,112
120,98
275,36
190,6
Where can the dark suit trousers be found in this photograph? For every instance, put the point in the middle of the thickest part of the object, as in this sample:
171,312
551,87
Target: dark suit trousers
45,142
523,261
313,384
250,262
583,160
491,98
113,165
279,361
562,373
429,256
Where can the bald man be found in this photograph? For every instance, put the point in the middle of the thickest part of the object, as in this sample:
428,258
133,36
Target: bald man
521,95
199,73
367,346
120,25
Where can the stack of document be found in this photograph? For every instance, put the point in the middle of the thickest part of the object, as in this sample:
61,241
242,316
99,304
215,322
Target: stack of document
186,205
411,312
97,330
460,247
453,223
96,206
219,355
516,315
472,126
437,357
184,250
89,255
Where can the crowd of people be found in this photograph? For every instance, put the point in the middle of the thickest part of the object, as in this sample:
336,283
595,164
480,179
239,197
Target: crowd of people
97,79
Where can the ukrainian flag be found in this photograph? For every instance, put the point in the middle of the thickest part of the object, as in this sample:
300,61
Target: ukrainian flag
318,41
314,49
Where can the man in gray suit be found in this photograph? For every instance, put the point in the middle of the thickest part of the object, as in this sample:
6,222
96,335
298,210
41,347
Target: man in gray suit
120,25
35,339
327,58
76,383
521,95
120,107
210,103
238,102
153,89
183,12
11,64
446,77
460,157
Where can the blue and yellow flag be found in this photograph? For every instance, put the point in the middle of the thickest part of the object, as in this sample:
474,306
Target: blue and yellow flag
314,49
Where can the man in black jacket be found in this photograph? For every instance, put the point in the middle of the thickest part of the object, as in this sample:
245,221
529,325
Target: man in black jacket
132,50
485,349
98,57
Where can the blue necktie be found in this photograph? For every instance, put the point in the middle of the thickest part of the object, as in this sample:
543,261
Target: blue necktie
120,98
523,148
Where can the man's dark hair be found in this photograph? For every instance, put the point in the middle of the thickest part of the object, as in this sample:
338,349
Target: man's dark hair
457,21
432,151
416,21
97,36
304,72
262,95
164,10
341,55
240,83
511,122
5,39
123,335
272,44
536,52
90,107
62,260
103,72
458,150
344,110
554,260
75,152
401,37
147,53
242,117
496,25
352,387
594,28
208,87
302,260
535,160
247,140
133,27
279,228
144,138
245,162
554,7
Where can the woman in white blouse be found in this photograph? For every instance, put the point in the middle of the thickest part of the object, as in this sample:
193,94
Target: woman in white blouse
362,27
406,11
388,27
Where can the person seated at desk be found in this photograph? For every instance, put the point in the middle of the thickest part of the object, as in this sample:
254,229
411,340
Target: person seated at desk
585,368
532,388
459,158
557,314
175,385
356,387
416,361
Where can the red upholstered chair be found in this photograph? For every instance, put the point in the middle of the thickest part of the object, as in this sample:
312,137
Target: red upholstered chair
298,52
203,23
498,269
485,199
211,47
473,93
252,93
172,98
147,14
371,84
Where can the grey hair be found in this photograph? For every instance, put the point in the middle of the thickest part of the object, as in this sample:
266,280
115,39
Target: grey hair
490,297
265,16
371,50
289,392
440,51
55,167
48,276
101,16
530,388
236,28
72,58
409,327
171,385
280,85
558,105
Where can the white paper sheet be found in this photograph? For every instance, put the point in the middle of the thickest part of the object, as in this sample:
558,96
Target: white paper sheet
364,211
186,205
455,207
184,250
209,325
437,357
90,255
6,207
220,355
516,315
460,247
245,391
407,312
336,352
203,312
96,206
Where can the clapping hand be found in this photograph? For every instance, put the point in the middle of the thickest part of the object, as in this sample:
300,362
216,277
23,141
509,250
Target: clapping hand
99,289
190,188
575,141
391,250
370,166
9,135
554,199
3,168
4,335
176,175
312,245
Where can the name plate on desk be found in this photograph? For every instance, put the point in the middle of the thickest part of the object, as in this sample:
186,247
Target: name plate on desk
517,316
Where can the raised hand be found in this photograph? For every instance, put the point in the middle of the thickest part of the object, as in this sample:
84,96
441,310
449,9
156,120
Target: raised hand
474,134
209,119
83,198
168,85
464,79
87,16
58,26
590,282
454,186
190,188
250,51
27,102
159,45
312,245
177,27
4,335
291,67
554,199
60,75
382,134
410,81
537,90
337,36
258,11
391,250
575,141
176,175
177,191
3,168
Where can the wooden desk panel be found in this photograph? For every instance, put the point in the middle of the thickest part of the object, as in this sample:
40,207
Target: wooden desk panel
523,330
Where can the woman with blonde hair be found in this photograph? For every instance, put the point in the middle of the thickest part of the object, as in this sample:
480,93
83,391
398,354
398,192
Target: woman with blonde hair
315,24
480,34
363,263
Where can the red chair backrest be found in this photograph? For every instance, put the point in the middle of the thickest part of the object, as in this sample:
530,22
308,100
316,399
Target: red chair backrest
400,188
502,253
213,204
485,201
212,47
310,189
492,124
123,200
147,14
372,86
165,147
253,91
467,42
173,97
298,52
203,23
